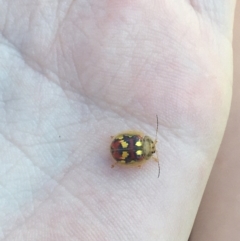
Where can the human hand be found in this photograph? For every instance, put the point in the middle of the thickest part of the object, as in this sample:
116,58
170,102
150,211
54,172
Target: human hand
74,73
219,215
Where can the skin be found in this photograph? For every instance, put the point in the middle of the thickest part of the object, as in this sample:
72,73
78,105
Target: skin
74,73
218,217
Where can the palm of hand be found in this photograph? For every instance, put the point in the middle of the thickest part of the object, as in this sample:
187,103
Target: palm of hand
75,75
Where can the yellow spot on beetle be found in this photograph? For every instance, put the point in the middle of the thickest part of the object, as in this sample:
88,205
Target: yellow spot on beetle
124,154
124,143
138,143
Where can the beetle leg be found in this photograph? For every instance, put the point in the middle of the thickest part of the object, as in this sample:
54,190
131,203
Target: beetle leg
155,158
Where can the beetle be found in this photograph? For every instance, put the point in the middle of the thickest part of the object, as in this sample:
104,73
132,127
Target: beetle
133,148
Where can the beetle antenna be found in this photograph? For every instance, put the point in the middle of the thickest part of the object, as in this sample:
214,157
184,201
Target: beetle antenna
156,129
158,166
156,151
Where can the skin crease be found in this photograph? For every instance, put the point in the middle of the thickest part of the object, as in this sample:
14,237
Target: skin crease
74,73
218,217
